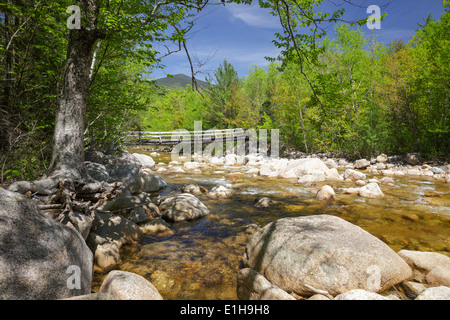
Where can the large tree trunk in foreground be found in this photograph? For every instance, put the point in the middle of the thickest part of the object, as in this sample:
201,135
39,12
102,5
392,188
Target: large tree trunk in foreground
67,186
68,148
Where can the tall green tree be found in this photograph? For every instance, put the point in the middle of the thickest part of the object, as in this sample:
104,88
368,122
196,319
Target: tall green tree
220,89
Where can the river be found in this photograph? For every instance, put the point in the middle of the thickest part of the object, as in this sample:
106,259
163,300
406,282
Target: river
201,258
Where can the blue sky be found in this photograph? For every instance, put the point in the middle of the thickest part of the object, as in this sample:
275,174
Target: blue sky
243,34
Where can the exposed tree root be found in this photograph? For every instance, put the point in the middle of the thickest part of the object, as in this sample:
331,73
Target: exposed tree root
59,197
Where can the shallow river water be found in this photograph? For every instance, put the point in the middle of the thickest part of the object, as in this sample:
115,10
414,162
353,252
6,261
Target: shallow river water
201,259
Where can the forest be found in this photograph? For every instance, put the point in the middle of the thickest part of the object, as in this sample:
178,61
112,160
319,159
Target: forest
370,97
348,94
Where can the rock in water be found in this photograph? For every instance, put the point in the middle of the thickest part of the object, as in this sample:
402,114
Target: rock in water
220,192
326,193
144,161
361,164
194,189
371,190
124,285
182,207
264,202
354,175
323,252
40,259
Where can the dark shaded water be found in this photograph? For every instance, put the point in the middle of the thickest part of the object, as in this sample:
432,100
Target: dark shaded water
200,260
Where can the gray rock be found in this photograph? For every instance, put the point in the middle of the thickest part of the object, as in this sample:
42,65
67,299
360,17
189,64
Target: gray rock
145,182
144,161
253,286
371,190
361,164
107,239
36,253
194,189
322,252
330,163
300,167
354,175
437,170
264,202
382,158
137,208
182,207
125,159
94,156
81,223
97,171
309,179
124,285
435,293
125,173
93,297
424,261
220,192
388,181
412,159
439,275
325,193
157,226
358,294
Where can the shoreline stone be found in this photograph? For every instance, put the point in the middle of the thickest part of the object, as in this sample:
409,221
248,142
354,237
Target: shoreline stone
323,252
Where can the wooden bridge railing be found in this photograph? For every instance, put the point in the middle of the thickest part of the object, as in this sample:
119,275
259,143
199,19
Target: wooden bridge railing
185,136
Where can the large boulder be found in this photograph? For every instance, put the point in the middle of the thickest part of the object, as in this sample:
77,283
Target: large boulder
323,252
182,207
300,167
40,259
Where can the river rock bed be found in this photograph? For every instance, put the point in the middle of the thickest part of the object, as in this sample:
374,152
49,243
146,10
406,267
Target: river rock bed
184,229
239,179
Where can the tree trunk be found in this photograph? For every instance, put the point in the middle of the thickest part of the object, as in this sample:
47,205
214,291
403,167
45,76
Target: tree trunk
68,148
301,119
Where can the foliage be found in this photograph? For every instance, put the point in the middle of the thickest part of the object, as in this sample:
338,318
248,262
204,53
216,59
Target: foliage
359,96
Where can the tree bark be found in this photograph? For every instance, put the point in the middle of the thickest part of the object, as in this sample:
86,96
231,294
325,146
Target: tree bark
68,148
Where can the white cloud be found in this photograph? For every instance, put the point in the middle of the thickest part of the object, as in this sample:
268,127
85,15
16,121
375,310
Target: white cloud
253,15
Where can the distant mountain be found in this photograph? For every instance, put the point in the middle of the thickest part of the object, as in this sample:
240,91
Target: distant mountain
179,81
